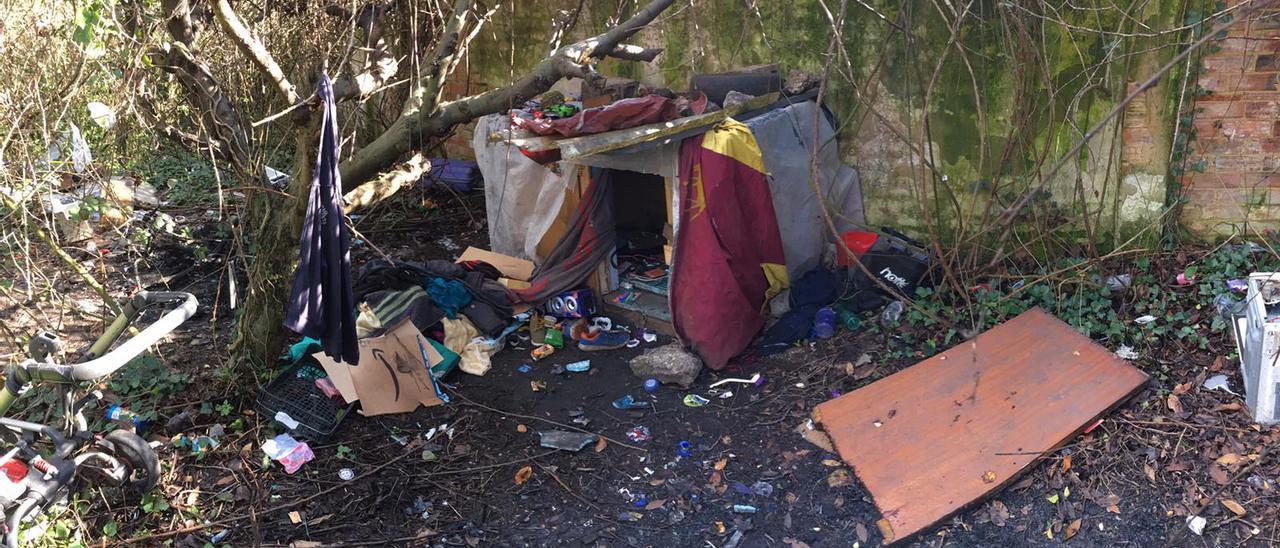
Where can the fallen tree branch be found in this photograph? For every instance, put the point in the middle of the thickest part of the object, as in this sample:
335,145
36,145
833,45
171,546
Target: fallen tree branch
252,48
415,128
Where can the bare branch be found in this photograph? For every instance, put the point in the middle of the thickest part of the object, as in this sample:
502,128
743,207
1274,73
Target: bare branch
379,66
253,49
432,75
413,129
631,52
390,182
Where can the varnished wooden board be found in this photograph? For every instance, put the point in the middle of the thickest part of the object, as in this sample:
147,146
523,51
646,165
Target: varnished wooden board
923,439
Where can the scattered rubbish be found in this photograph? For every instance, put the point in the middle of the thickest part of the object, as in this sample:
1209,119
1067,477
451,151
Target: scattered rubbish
284,419
744,509
811,434
524,368
892,312
839,478
568,441
684,449
670,364
1184,279
1219,382
197,444
288,451
762,488
1119,282
725,395
326,386
346,474
1126,352
120,414
629,402
824,323
578,367
755,379
1196,524
1144,320
651,385
639,434
1238,286
295,517
537,386
1259,482
1227,307
181,421
1094,382
541,351
421,507
554,337
640,501
220,536
694,400
633,343
629,516
649,336
848,318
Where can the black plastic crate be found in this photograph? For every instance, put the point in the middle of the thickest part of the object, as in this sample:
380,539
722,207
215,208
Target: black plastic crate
318,415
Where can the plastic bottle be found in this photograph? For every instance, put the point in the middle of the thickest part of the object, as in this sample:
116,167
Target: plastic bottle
685,449
651,385
892,312
117,413
824,323
848,318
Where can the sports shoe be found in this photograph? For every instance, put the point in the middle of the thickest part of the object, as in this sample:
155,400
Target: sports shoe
592,340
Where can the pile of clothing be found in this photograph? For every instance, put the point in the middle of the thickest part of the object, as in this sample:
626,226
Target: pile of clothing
461,307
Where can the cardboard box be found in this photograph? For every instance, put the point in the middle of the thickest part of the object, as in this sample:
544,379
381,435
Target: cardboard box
393,374
510,267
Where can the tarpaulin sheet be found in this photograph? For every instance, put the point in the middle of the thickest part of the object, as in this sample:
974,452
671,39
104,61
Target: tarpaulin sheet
590,238
728,255
522,197
786,138
622,114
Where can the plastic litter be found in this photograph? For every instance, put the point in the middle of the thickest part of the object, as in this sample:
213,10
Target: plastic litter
1227,307
568,441
640,501
639,434
633,343
824,323
1126,352
1184,279
524,368
326,386
892,312
1196,524
755,379
649,336
578,367
346,474
762,488
629,516
542,351
848,318
744,509
629,402
1238,286
684,449
219,536
694,400
554,337
725,395
1219,382
288,451
1119,282
651,385
117,413
288,422
421,507
1144,320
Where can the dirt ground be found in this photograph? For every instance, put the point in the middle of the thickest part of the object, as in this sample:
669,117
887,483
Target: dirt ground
1131,482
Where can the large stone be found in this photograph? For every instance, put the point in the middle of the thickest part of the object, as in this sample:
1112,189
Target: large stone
670,364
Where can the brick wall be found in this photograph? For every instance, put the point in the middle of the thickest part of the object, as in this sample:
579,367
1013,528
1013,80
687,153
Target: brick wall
1237,133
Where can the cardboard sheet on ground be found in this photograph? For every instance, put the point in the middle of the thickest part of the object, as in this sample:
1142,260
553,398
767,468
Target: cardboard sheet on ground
946,432
393,375
510,267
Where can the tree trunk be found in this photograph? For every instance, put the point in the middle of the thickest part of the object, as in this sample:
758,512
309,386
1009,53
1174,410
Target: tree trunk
260,335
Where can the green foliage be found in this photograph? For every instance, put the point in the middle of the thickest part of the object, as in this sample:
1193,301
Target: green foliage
154,503
344,452
145,382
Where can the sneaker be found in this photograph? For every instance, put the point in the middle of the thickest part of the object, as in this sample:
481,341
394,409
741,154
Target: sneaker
577,328
592,340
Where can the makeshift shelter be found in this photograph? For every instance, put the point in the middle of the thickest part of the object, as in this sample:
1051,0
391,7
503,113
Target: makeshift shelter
693,188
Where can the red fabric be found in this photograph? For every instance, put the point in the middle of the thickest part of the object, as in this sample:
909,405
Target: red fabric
858,242
726,233
622,114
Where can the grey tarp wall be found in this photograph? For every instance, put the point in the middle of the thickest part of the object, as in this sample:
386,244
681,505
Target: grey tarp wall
521,197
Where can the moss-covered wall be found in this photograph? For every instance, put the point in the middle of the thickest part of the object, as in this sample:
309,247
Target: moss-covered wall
945,130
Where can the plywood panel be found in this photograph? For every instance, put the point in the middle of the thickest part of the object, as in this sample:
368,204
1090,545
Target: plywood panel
923,439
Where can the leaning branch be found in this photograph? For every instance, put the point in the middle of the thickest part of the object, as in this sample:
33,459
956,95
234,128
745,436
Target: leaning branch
253,49
413,129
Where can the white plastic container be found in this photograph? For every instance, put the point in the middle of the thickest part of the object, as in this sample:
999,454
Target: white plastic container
1258,338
